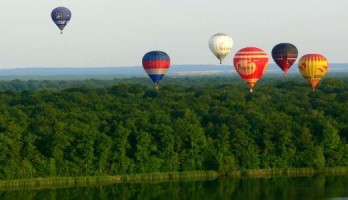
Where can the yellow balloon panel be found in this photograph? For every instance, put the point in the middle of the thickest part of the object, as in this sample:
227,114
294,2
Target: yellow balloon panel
313,67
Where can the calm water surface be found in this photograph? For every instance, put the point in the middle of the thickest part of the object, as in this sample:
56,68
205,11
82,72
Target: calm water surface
318,187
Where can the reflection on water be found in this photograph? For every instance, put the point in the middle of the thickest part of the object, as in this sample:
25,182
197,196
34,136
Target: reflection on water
317,187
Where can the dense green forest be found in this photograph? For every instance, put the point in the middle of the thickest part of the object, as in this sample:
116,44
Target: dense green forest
93,127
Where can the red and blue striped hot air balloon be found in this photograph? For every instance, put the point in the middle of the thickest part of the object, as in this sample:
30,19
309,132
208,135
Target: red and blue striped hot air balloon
156,64
61,16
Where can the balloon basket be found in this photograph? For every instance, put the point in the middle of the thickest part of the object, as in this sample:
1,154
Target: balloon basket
157,86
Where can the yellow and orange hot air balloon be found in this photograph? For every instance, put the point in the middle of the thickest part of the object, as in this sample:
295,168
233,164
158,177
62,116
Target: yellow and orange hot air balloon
250,63
313,67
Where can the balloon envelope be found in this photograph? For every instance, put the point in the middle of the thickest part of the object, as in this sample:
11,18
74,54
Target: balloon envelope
313,67
221,45
284,55
61,16
250,63
156,64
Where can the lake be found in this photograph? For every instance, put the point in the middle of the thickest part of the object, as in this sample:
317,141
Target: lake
316,187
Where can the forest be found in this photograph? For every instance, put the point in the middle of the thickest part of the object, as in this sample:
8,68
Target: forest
93,127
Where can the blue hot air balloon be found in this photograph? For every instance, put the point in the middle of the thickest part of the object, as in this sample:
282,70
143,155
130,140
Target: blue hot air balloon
61,16
156,64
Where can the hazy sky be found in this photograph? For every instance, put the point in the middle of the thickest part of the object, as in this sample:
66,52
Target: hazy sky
120,32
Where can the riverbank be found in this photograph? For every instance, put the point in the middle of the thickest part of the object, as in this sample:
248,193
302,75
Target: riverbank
290,172
57,182
53,182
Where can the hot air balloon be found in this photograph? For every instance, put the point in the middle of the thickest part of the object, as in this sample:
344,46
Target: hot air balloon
61,16
284,54
221,45
250,63
313,67
156,64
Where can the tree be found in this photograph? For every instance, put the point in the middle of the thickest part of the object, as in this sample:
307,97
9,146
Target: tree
309,155
145,160
120,162
190,141
227,163
245,150
332,146
164,138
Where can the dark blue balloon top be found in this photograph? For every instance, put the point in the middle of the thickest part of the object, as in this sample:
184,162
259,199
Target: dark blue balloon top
155,55
61,16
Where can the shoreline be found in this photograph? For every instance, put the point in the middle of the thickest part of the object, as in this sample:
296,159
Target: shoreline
66,182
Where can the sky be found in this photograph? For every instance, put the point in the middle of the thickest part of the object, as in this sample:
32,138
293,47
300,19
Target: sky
112,33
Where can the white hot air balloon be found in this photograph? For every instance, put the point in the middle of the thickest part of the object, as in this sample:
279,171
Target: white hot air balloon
221,45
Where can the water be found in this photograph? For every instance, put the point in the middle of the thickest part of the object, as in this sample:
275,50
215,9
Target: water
318,187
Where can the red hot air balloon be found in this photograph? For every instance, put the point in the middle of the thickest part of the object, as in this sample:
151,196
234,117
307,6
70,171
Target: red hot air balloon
250,63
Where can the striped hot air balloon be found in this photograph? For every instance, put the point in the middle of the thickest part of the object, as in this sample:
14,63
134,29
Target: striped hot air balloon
284,55
61,16
313,67
221,45
156,64
250,63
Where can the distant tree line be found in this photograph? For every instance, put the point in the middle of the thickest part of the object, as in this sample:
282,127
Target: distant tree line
127,128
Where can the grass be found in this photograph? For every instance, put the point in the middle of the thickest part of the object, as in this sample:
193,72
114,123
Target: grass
289,172
54,182
195,175
59,182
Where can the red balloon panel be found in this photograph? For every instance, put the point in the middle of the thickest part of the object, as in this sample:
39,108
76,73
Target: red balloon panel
250,63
